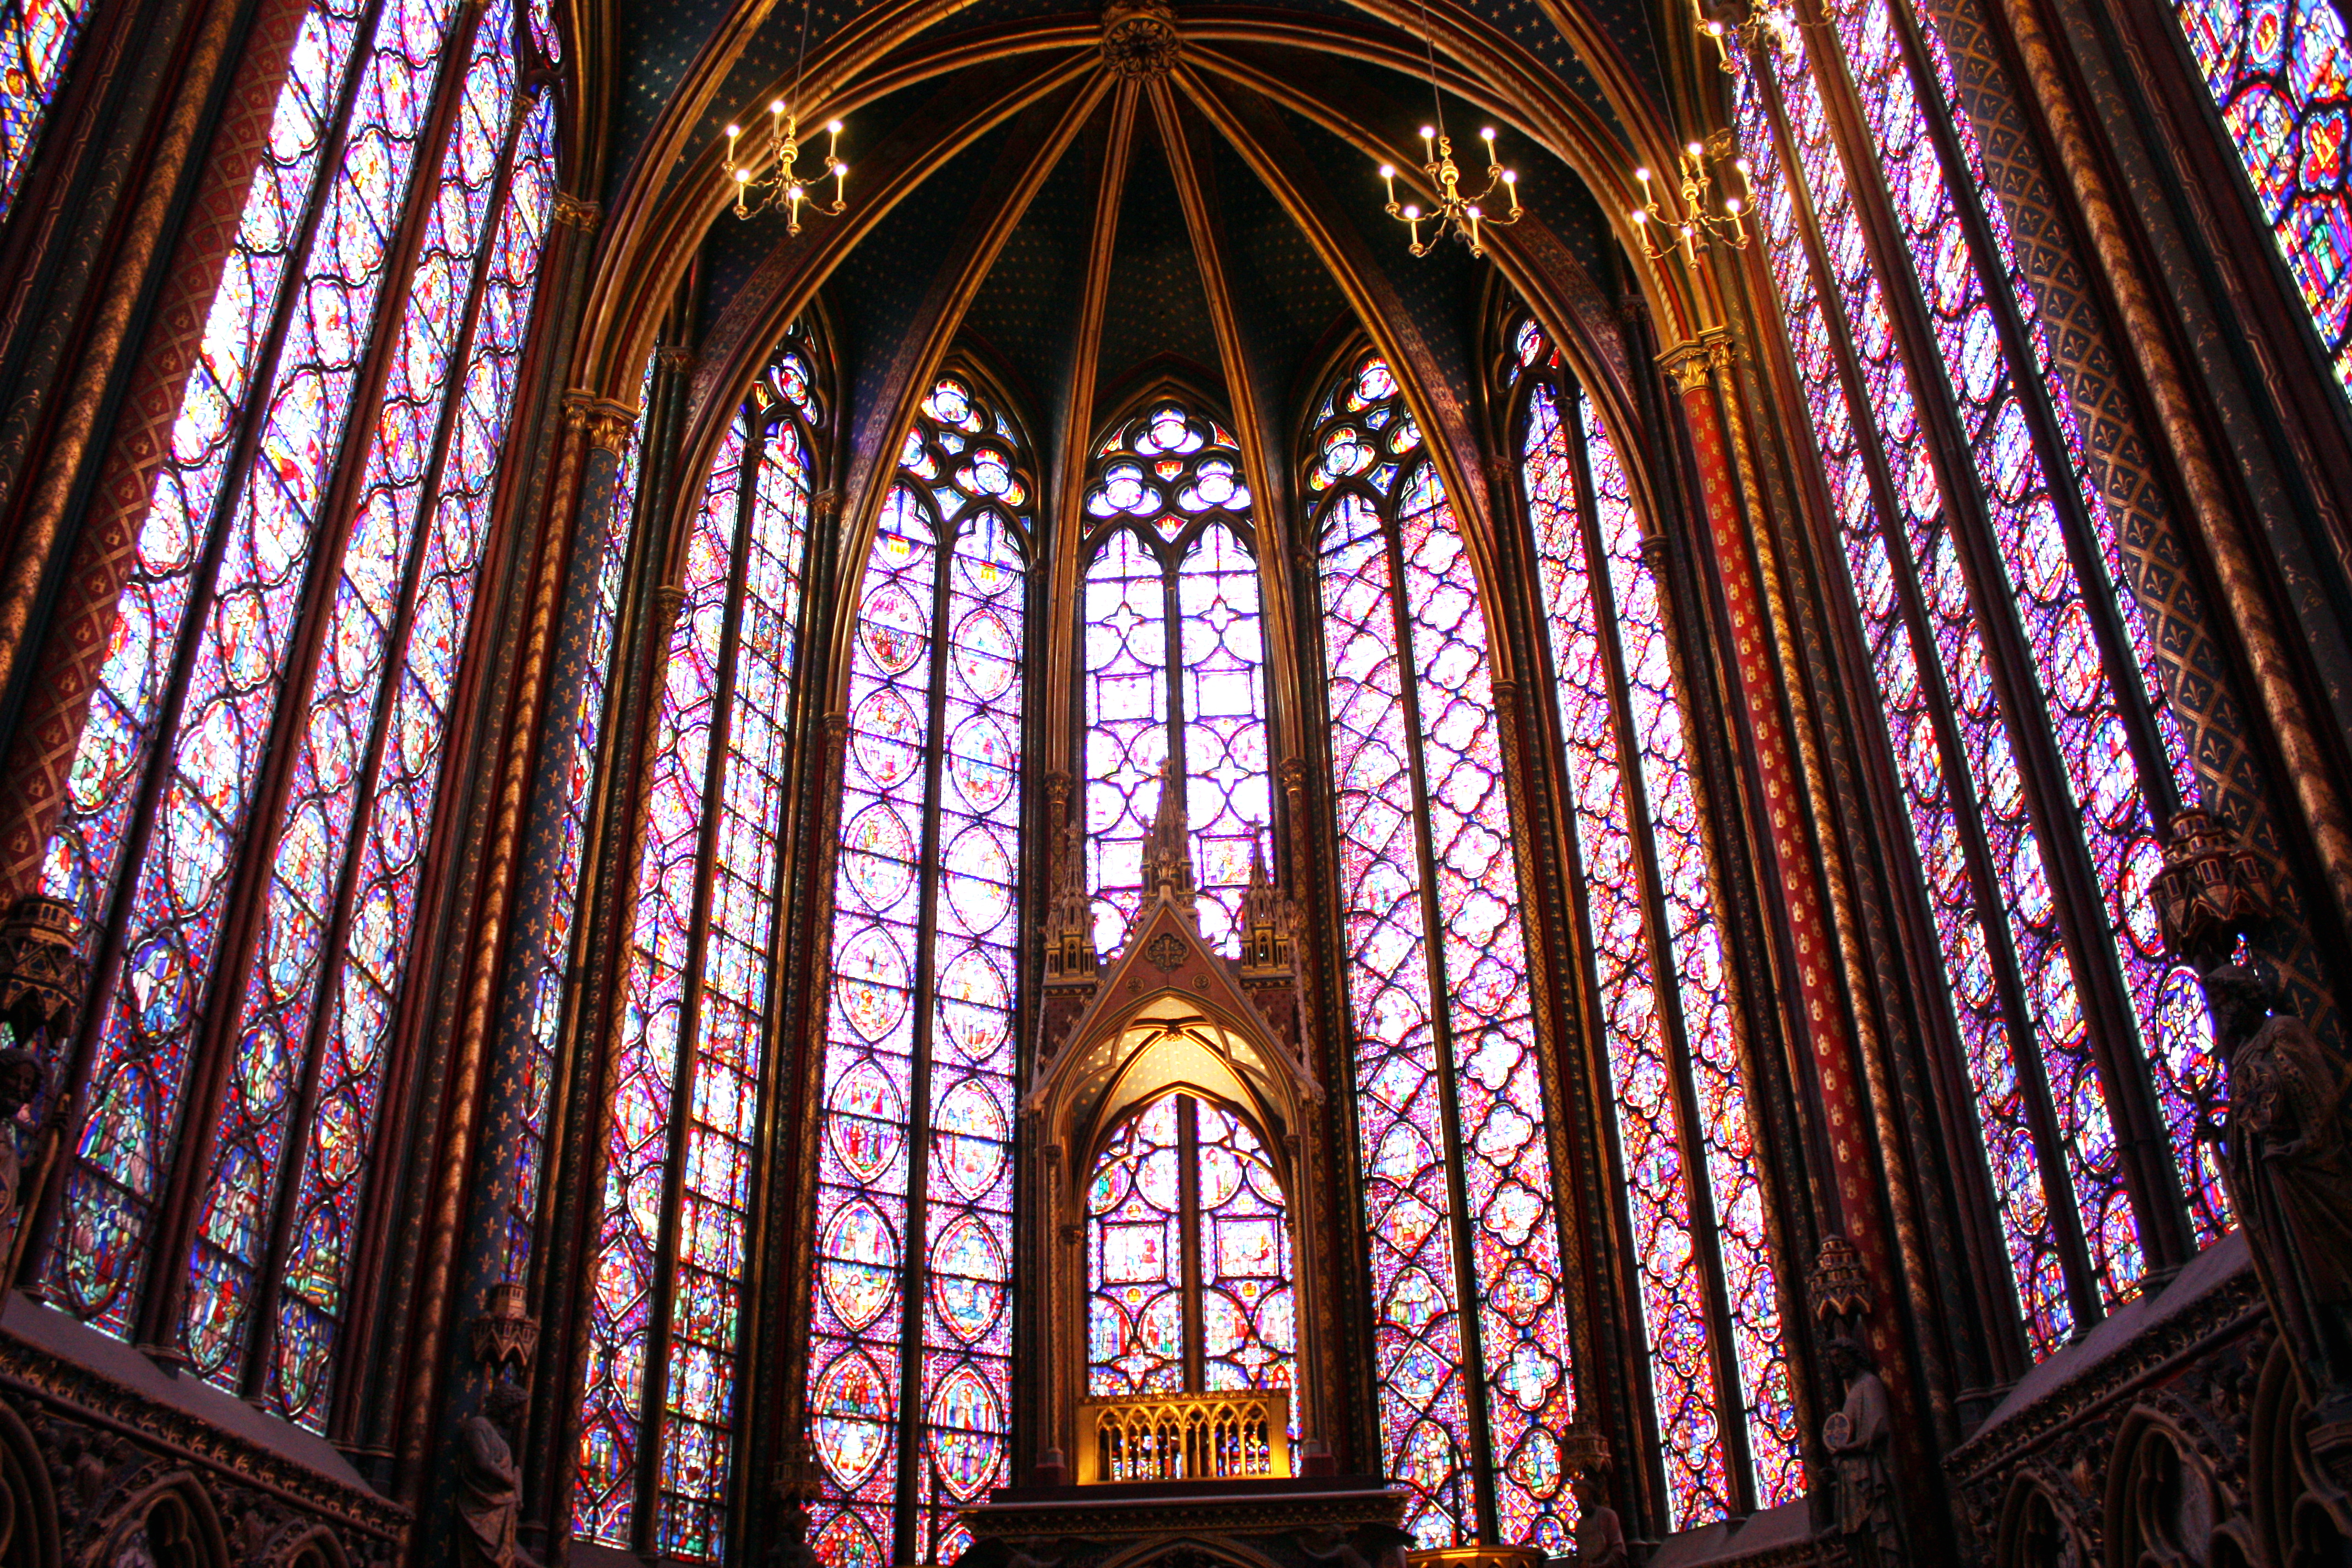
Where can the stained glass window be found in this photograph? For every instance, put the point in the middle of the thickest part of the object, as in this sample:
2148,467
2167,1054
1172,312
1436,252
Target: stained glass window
37,40
1174,663
1979,582
1471,1338
1188,1256
659,1410
297,942
1647,907
909,1384
2281,74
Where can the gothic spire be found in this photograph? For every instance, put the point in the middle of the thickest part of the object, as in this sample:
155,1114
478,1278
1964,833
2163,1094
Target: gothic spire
1168,853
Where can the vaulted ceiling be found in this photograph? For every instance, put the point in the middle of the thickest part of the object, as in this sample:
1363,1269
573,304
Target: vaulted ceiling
1083,230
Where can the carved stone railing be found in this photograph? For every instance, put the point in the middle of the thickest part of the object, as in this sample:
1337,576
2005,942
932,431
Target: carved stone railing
1185,1438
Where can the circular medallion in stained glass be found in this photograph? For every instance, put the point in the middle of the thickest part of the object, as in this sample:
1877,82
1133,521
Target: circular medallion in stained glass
987,653
967,1273
860,1272
979,879
974,1004
856,1408
891,626
870,982
866,1119
877,855
887,737
969,1136
966,1436
980,756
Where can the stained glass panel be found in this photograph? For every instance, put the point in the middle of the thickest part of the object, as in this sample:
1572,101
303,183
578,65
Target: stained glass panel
2100,766
1425,1414
2281,73
37,40
1135,1259
1944,809
1677,840
170,906
85,856
1399,593
915,1177
723,1066
1186,1231
1125,625
586,722
2080,702
1248,1314
345,707
1651,1137
653,985
1170,516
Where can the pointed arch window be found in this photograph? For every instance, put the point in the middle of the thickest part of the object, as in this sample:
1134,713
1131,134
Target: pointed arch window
1188,1256
1724,1417
1471,1348
1174,662
697,991
2032,745
255,790
910,1364
2280,72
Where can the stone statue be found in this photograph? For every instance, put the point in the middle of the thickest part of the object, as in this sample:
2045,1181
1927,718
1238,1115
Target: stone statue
1857,1436
2290,1162
21,1077
489,1493
790,1548
1599,1534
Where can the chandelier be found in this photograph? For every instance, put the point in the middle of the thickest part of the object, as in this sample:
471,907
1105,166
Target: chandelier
784,185
1462,216
1681,218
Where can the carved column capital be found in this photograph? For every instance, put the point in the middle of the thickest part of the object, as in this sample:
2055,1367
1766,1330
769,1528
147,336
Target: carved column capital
607,423
674,357
578,212
1688,362
668,599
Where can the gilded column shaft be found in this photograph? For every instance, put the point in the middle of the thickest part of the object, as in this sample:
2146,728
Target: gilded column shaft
469,1042
1819,1007
1902,1201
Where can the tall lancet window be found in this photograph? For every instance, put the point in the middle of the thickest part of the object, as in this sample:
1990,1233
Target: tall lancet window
1175,663
682,1134
909,1387
2015,667
261,774
1724,1419
2281,74
1471,1342
1188,1256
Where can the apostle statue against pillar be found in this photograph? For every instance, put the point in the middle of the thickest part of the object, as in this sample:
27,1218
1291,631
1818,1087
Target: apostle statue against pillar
2289,1142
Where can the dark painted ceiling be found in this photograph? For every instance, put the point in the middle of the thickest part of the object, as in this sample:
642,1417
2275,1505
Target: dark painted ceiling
658,42
1024,321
